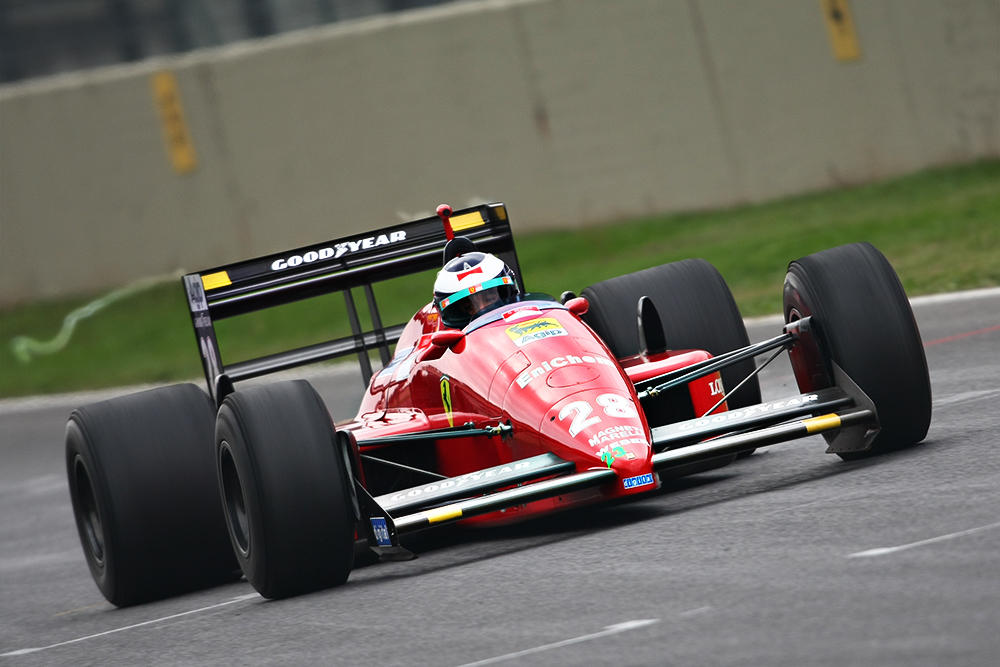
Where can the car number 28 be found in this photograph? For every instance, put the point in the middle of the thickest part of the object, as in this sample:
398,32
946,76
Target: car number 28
613,404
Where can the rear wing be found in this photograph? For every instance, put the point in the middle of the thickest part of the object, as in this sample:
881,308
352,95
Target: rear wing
338,265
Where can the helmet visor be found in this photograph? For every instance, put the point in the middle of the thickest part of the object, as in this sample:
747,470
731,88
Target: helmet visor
461,294
461,307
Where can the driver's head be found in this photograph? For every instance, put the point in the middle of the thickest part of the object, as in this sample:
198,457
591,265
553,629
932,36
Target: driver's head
473,284
479,302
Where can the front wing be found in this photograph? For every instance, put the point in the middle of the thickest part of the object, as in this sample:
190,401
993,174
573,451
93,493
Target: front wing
842,413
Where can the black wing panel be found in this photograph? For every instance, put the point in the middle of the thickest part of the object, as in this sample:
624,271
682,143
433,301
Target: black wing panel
338,265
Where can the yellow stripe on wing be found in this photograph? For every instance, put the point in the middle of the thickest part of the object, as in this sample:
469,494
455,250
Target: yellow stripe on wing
823,423
467,221
443,513
216,280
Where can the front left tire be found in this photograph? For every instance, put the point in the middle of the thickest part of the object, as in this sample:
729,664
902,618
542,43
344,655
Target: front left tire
285,488
696,309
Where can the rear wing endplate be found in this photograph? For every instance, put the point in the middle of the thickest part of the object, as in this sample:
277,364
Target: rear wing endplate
335,266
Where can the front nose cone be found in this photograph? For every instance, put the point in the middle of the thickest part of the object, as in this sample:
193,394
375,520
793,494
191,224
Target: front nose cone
599,428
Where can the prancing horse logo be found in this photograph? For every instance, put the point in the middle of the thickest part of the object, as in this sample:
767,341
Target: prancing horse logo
446,399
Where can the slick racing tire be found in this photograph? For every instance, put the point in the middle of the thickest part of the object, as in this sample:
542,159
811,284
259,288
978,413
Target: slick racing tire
285,489
143,486
867,327
697,311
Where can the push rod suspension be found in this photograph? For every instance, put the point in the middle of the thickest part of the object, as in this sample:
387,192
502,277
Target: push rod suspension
732,391
401,466
709,366
465,431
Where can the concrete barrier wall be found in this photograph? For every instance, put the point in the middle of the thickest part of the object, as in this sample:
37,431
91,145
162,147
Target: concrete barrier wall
574,112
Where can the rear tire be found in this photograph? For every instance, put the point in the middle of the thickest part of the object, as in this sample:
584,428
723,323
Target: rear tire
867,327
285,489
695,306
143,486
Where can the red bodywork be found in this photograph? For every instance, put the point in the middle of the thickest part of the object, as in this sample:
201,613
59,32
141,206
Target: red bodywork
538,367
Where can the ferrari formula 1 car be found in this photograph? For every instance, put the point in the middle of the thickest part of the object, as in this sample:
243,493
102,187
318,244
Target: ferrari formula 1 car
527,406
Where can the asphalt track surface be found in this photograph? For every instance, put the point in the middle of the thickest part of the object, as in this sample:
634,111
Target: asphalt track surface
789,557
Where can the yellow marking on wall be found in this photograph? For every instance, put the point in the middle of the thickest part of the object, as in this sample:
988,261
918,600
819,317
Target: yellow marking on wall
446,399
840,24
824,423
443,513
215,280
467,221
167,98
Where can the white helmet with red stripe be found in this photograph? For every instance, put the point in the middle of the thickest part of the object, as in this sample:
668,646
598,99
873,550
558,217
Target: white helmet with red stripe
471,285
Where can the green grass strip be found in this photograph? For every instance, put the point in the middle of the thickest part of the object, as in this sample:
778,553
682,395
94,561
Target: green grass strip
939,228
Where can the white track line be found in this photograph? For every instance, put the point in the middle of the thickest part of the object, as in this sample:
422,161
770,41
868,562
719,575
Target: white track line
965,396
610,630
130,627
951,297
882,551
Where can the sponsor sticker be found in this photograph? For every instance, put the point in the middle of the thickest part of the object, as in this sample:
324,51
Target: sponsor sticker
622,443
528,332
616,433
195,293
381,531
639,480
608,454
521,313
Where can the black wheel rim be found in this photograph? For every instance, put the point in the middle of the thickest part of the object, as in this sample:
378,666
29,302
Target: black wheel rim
90,515
235,501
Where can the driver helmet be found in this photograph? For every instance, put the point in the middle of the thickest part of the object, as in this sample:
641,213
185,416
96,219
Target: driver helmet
473,284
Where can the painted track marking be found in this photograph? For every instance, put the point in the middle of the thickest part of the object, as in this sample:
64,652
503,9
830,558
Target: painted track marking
966,396
89,606
130,627
948,339
610,630
694,612
882,551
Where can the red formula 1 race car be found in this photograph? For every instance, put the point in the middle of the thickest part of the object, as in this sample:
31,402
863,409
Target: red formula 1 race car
497,405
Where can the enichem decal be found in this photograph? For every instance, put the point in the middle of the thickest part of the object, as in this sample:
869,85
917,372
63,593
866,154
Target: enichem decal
558,362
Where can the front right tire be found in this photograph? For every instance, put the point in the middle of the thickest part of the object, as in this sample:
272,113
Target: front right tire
867,327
